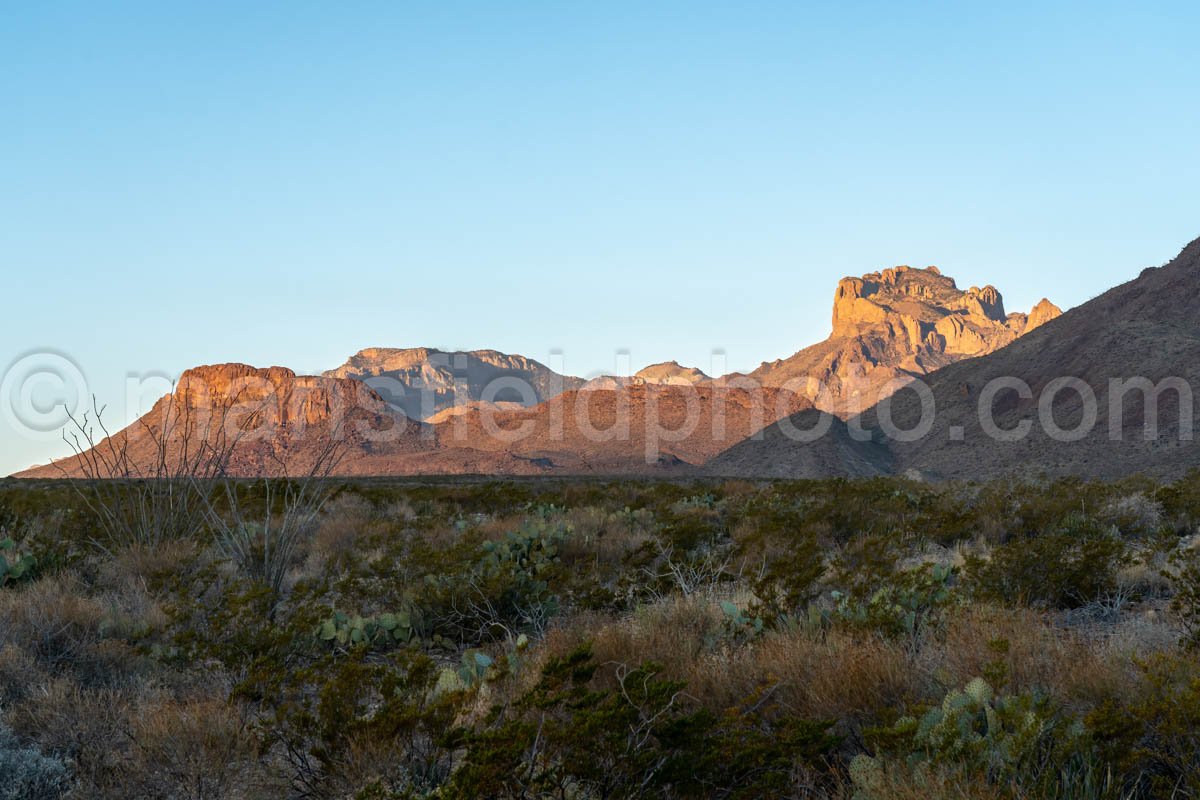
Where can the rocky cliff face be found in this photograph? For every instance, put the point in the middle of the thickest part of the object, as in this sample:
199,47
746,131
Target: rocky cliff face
422,382
273,396
893,325
255,421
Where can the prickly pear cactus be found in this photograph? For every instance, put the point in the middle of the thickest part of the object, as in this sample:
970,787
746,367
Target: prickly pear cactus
974,726
381,632
14,566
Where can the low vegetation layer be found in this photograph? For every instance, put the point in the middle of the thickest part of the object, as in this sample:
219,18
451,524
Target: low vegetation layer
573,639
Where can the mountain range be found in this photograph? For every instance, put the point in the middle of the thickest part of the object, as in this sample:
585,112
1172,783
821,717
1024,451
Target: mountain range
428,411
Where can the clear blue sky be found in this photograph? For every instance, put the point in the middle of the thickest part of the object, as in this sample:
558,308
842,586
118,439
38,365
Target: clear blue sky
286,183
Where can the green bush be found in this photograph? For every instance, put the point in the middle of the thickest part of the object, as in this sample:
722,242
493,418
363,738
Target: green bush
1152,735
644,737
1184,575
1069,568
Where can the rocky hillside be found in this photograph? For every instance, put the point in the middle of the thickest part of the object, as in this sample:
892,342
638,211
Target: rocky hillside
893,325
634,429
271,422
1148,328
421,382
261,420
671,373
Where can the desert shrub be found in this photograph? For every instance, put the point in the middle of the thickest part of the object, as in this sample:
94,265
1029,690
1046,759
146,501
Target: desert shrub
1066,569
1151,733
172,671
867,563
1184,576
344,522
348,723
778,546
506,590
1134,514
27,774
607,558
642,738
202,746
1180,502
905,605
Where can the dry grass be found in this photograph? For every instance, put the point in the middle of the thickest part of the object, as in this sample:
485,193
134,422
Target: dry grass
838,675
53,619
344,522
1030,650
816,676
675,633
895,782
600,536
137,567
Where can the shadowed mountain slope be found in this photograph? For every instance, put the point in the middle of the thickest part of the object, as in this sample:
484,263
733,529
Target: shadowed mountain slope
1147,328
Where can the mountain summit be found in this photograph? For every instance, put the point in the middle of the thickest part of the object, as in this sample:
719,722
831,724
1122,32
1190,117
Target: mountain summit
894,325
422,382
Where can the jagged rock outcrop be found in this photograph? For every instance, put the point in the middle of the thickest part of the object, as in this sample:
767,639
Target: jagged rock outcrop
1042,313
893,325
421,381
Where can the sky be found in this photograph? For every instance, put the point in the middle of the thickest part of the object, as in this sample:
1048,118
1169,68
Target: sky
618,183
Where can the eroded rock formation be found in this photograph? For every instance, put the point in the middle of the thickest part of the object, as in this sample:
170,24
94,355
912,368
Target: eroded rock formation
894,325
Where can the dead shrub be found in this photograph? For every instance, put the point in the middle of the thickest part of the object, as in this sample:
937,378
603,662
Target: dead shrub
52,619
343,524
199,749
